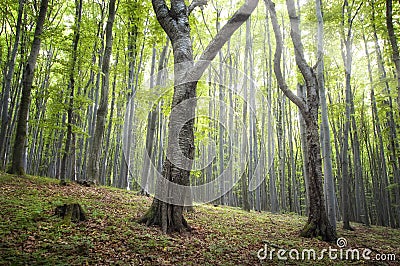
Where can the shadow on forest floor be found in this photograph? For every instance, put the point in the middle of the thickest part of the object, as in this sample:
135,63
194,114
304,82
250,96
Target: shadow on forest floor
31,234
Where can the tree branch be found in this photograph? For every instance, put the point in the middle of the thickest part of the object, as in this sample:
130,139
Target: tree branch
221,38
355,14
163,16
197,3
277,61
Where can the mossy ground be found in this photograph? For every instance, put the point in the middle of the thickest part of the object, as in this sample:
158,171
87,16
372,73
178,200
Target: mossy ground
31,235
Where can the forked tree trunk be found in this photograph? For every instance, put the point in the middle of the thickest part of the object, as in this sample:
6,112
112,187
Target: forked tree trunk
166,210
318,224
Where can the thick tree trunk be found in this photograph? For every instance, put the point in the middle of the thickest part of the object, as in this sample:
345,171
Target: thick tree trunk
318,224
27,81
167,208
304,148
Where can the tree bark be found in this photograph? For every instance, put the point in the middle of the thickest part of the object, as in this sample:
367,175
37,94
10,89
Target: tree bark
347,44
70,118
94,162
326,140
152,119
270,138
318,224
244,149
167,207
393,143
7,88
27,81
393,43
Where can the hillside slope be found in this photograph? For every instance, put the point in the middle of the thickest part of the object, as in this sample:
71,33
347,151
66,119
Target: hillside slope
31,234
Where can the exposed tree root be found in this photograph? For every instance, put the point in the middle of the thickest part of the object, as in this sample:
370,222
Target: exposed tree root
167,216
323,231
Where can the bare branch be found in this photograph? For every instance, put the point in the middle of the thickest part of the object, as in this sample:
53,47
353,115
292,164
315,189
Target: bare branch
197,3
277,61
221,38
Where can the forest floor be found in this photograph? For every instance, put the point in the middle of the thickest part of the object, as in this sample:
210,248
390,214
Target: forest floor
30,233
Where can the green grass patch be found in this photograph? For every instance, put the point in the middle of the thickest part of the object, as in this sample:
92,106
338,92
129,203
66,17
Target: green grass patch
31,234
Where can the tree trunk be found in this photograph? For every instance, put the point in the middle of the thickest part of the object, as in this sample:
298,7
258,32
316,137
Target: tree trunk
347,55
318,224
304,148
106,159
393,43
70,118
393,142
27,81
94,162
244,148
7,88
171,189
270,137
152,119
326,140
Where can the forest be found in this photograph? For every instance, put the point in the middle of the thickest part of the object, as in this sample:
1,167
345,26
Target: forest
272,107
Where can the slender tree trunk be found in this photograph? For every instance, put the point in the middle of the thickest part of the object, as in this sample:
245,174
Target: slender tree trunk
103,172
318,224
71,86
294,186
393,43
375,120
152,119
270,137
393,141
230,128
27,81
244,149
347,55
94,162
7,88
326,140
222,118
281,147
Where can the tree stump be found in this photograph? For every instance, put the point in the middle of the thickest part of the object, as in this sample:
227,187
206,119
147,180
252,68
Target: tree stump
71,213
86,183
